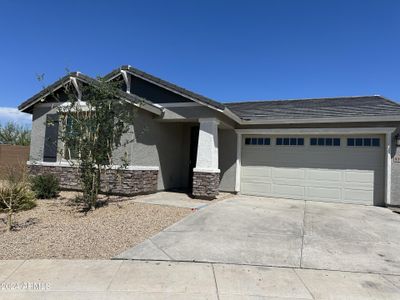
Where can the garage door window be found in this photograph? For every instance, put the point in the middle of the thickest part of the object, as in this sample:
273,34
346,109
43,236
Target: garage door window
289,141
325,141
263,141
363,142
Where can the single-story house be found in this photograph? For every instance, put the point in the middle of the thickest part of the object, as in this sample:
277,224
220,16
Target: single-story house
343,149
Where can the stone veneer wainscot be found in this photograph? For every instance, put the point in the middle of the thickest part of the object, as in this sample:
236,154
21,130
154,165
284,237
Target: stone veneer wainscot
130,181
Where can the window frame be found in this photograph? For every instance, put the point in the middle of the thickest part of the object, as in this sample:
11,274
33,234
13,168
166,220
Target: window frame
255,141
318,141
363,142
291,141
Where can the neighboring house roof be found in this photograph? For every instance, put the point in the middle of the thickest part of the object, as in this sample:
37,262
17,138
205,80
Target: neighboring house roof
165,84
322,108
28,104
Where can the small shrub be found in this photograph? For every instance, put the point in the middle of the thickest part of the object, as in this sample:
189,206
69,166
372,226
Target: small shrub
16,196
45,186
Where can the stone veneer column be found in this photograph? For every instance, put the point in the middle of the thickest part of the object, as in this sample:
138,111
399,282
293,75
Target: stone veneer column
206,174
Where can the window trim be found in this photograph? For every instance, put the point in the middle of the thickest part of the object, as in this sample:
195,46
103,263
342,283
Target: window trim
369,144
322,141
256,141
288,141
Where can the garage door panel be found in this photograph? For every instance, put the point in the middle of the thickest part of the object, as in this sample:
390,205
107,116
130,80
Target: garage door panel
322,183
324,193
338,174
288,190
256,171
324,175
359,176
288,181
257,188
288,173
359,196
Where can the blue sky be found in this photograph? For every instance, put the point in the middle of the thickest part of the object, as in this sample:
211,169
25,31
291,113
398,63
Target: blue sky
226,50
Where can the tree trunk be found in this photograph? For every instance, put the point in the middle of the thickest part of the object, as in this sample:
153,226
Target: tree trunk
9,220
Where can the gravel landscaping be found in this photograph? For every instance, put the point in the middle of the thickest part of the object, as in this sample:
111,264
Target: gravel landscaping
55,229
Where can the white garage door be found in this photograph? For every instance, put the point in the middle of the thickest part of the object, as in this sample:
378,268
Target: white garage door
323,168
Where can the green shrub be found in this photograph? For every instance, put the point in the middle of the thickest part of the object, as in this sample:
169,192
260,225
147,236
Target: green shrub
15,193
45,186
16,197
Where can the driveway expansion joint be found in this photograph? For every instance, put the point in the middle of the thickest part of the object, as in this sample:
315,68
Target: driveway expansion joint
215,280
302,281
303,233
159,248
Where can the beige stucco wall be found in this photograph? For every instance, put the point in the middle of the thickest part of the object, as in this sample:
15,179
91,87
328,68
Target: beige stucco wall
395,195
227,159
155,144
164,145
38,130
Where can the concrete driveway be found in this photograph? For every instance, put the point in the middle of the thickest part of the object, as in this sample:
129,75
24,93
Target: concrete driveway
282,233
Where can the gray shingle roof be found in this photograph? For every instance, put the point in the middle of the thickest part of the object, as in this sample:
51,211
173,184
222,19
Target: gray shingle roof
361,106
168,85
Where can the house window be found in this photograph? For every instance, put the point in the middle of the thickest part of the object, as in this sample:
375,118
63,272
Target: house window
363,142
261,141
289,141
325,142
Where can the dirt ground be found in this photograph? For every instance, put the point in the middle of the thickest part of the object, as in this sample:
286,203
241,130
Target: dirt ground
56,229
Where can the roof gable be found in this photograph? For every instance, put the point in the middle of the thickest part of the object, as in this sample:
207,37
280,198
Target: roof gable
27,105
167,85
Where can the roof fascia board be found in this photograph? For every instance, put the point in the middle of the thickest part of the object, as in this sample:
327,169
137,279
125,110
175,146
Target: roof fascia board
346,130
322,120
232,115
41,97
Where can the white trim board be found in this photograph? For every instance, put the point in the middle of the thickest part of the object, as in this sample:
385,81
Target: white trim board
299,131
113,167
387,131
178,104
322,120
238,160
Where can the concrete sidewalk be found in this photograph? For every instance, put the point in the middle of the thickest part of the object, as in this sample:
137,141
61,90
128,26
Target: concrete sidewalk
104,279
